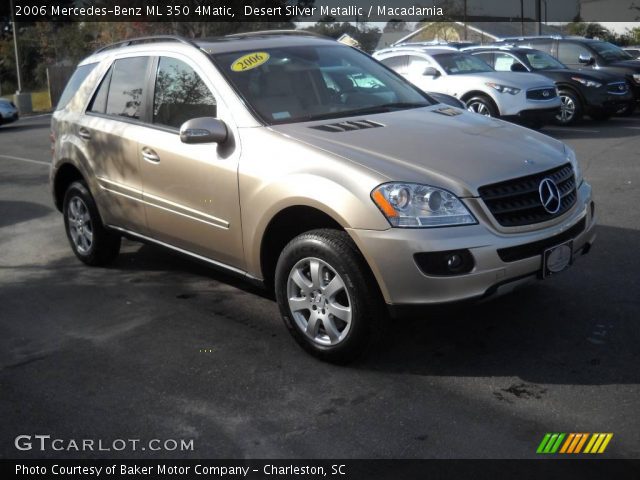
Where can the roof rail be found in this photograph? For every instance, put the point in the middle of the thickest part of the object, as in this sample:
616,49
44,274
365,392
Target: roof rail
150,39
259,33
531,37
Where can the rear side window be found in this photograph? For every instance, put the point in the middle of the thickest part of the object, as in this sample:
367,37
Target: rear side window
74,83
569,53
99,102
126,87
180,94
400,63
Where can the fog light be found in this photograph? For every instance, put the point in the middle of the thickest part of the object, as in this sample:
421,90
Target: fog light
451,262
454,261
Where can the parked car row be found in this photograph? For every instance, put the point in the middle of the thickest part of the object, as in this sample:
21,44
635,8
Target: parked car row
515,80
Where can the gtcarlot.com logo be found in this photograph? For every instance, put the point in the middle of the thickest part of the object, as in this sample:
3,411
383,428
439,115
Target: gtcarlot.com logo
47,443
574,443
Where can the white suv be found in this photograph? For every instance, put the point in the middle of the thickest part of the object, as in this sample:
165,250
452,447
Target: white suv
530,98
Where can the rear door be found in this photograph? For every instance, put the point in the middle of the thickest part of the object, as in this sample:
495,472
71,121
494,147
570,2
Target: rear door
110,130
190,190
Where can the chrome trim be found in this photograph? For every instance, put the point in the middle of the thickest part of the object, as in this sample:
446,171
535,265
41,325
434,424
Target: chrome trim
540,99
185,252
617,92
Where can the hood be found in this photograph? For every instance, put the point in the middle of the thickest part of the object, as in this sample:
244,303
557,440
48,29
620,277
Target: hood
630,64
597,75
520,80
438,145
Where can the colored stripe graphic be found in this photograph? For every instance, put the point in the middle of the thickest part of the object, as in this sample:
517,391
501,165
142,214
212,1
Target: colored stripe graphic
573,443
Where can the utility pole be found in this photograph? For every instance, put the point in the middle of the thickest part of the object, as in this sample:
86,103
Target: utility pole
15,45
539,17
465,20
522,17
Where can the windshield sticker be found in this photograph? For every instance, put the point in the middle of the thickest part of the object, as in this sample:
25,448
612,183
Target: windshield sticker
280,115
249,61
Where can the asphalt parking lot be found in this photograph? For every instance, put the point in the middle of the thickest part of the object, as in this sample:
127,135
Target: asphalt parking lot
160,347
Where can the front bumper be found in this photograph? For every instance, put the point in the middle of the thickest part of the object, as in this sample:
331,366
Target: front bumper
603,100
390,254
8,117
538,115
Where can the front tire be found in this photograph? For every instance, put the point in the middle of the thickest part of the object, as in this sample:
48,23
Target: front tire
327,296
482,105
90,241
571,108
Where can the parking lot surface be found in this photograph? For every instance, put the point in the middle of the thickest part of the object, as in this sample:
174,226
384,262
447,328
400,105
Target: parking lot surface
160,347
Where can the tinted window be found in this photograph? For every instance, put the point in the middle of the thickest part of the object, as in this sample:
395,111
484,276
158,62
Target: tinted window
486,58
417,65
399,63
461,63
180,94
610,52
99,102
127,87
569,53
504,61
74,84
543,61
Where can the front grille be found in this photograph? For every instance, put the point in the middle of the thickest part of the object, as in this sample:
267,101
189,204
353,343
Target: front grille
528,250
517,202
542,93
617,88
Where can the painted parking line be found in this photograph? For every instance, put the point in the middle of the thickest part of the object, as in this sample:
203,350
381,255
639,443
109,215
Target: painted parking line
27,160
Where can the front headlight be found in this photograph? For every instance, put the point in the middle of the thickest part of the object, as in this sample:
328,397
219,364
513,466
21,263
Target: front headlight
412,205
636,78
586,82
503,88
571,158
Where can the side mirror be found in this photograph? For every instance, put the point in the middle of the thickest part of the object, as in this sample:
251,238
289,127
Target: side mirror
431,72
586,59
518,67
203,130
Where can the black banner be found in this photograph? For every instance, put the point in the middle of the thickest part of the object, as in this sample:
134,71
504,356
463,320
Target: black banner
584,469
314,10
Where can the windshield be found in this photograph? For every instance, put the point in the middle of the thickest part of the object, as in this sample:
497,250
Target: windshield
304,83
543,61
460,63
610,52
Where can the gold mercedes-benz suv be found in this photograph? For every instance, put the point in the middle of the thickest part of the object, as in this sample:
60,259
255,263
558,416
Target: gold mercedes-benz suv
309,167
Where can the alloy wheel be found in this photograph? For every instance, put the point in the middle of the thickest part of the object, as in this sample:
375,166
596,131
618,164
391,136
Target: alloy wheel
319,301
80,226
479,107
567,109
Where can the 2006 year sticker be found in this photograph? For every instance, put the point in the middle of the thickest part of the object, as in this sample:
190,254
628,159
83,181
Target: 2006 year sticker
249,61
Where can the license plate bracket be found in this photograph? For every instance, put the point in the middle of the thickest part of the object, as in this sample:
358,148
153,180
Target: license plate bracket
556,259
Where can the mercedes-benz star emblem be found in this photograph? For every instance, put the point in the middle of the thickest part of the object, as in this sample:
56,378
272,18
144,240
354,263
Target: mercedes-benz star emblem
549,195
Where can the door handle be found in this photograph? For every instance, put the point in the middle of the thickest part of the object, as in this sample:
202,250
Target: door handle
149,155
84,133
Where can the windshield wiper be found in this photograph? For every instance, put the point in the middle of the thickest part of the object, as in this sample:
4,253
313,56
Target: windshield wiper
382,108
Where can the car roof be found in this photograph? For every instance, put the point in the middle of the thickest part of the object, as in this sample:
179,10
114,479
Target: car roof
418,49
226,44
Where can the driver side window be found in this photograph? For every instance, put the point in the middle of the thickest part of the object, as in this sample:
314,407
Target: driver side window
180,94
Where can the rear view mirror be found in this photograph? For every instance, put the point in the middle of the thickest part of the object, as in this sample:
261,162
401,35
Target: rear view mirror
203,130
586,59
518,67
431,72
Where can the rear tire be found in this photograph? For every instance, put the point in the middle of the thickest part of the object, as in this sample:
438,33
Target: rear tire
327,296
571,109
90,241
482,105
